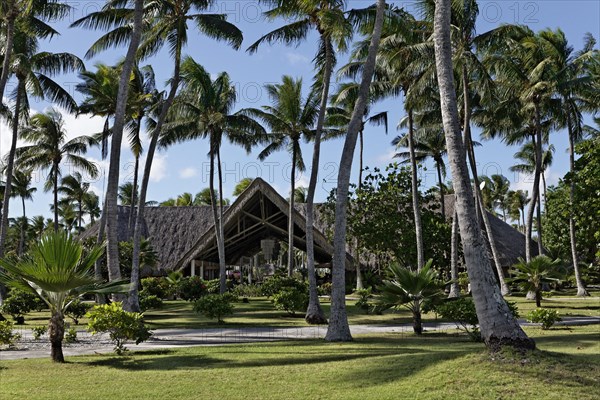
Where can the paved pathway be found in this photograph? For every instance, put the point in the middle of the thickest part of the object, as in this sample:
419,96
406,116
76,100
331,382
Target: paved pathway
173,338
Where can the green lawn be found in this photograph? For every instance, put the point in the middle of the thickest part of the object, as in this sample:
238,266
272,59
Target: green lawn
260,312
436,366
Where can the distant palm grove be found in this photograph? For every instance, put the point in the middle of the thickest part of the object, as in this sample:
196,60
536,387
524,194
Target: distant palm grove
511,83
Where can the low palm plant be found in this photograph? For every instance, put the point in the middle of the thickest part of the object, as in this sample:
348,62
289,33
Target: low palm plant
411,290
57,269
532,276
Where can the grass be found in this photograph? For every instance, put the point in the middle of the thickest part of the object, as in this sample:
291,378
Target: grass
260,312
435,366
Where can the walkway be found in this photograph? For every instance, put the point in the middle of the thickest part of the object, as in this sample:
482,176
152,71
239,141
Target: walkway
174,338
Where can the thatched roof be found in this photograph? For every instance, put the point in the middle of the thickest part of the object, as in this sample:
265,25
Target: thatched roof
509,241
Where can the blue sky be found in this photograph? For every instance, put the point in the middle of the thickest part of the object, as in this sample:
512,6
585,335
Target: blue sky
183,168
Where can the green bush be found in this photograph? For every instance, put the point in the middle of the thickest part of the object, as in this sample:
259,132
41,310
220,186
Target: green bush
544,316
121,325
325,289
71,335
276,283
7,336
19,302
248,290
39,331
291,299
214,306
213,286
149,301
191,288
159,287
364,295
77,310
461,311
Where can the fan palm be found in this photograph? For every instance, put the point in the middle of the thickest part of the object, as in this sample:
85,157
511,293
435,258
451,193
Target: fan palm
57,269
34,71
75,190
532,276
50,148
22,188
412,290
290,118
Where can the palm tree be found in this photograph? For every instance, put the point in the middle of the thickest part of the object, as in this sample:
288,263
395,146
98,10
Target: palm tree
205,110
34,71
532,276
300,194
50,148
497,323
500,188
339,329
67,214
517,202
75,190
22,188
126,193
91,206
38,226
241,186
412,290
290,118
203,198
59,271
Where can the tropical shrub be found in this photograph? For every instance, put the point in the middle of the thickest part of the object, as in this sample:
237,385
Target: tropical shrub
19,302
544,316
213,286
531,276
248,290
276,283
325,289
291,299
214,306
461,311
39,331
364,295
149,301
159,287
7,336
191,288
121,325
71,335
77,310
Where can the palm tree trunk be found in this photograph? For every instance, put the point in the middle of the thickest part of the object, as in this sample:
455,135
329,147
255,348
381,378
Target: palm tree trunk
454,288
581,290
213,204
100,298
136,169
314,312
537,142
10,166
23,225
498,325
8,48
339,329
55,193
417,321
538,298
361,146
112,188
415,191
441,182
56,333
478,196
290,264
80,215
219,224
539,224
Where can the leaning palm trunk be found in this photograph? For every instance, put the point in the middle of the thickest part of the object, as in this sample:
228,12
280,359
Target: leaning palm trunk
133,303
361,144
537,141
290,264
314,312
454,288
8,48
498,325
56,333
415,191
10,166
479,198
112,188
339,329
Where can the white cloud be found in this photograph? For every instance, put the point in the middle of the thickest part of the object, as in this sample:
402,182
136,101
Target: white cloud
188,172
159,168
386,157
295,58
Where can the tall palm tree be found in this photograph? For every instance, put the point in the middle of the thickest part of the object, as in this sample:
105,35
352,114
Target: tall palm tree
38,226
498,325
205,110
500,189
338,329
518,200
290,118
75,190
58,270
50,147
33,70
22,189
91,206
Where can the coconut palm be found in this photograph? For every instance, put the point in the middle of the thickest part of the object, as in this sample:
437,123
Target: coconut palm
290,118
75,190
300,194
38,226
241,186
532,276
498,325
67,214
205,110
57,269
91,206
22,188
50,147
33,71
500,189
338,329
126,193
412,290
517,201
